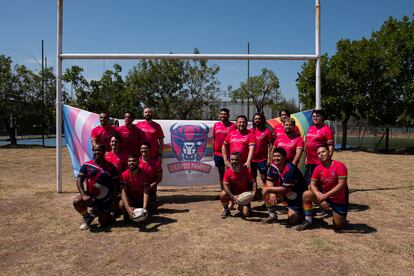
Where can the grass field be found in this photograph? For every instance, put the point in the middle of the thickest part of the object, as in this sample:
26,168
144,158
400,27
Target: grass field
39,228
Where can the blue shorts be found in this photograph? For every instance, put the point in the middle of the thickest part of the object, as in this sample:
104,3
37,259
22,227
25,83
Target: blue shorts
340,209
308,173
218,161
261,166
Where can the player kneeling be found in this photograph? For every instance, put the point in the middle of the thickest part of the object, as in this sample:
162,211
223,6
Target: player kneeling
328,187
284,181
134,192
237,181
96,183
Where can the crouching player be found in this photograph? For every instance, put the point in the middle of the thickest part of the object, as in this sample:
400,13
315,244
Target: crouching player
237,179
96,183
134,191
286,182
152,169
328,187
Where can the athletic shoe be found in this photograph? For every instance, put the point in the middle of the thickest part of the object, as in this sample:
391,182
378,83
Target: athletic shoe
270,219
226,213
325,213
86,222
305,225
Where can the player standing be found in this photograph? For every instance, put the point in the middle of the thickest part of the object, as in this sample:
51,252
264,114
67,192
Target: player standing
220,131
130,135
318,134
102,134
291,142
240,140
264,139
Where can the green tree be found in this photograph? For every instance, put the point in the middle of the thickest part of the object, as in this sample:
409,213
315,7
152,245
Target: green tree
8,97
177,89
79,87
262,90
108,93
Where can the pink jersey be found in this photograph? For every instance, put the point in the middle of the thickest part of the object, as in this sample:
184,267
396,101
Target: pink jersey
130,139
263,138
151,168
133,183
103,135
238,182
118,159
289,144
220,132
327,178
152,132
314,138
280,130
240,142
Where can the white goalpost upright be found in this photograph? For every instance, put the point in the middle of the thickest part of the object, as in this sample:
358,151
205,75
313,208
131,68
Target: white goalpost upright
60,56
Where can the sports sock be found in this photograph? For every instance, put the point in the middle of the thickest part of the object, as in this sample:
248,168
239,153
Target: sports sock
226,206
308,210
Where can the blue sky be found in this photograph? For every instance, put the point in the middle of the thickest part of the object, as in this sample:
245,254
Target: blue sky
179,26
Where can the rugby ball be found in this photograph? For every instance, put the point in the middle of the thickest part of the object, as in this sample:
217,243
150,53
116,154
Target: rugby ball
140,214
291,195
245,198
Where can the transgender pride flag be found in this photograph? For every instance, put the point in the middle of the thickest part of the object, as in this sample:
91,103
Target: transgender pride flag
78,124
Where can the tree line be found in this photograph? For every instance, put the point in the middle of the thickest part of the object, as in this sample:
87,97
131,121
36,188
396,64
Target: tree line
370,78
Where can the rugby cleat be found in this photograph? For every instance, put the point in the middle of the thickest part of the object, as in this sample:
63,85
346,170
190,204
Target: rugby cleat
86,222
270,219
226,213
305,225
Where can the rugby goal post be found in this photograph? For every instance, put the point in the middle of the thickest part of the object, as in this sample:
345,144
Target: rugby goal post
60,56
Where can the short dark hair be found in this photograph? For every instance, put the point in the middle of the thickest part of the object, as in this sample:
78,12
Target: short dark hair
284,110
130,113
133,155
100,147
323,146
282,151
319,112
146,144
225,110
242,116
236,153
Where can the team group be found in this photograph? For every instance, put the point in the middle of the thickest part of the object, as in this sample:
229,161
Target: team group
126,169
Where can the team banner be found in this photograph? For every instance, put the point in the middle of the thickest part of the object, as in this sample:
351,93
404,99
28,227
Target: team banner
188,155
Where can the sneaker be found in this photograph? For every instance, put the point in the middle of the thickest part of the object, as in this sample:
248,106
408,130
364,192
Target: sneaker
305,225
226,213
325,213
270,219
86,222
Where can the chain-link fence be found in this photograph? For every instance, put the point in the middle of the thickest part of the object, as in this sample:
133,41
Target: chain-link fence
364,136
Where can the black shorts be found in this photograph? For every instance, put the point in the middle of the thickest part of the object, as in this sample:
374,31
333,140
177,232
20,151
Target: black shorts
218,161
261,166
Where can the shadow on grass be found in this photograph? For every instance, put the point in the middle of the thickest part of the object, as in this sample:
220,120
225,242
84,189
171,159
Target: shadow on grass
379,189
154,223
185,198
352,228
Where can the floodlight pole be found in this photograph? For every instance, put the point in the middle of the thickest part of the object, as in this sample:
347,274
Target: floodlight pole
318,54
59,97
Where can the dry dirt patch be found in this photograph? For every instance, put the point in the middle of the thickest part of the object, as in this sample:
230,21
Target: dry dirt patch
39,228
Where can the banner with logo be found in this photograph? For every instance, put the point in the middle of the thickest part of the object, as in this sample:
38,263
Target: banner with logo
188,156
